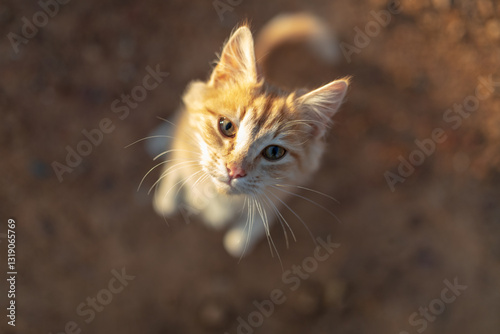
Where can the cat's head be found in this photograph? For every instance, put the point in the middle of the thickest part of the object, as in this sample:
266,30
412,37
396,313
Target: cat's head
252,135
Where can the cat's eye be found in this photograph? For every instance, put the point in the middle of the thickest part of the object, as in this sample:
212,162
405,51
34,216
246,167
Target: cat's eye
226,127
273,152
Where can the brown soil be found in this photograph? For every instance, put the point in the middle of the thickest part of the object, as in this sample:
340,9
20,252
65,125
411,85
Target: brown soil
397,248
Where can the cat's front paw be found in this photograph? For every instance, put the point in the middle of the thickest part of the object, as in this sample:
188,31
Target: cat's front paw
234,242
242,238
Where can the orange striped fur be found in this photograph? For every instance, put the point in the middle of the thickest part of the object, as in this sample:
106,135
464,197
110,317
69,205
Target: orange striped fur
239,170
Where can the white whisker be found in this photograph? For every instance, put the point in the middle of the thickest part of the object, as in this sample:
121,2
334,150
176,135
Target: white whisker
309,200
296,215
185,164
182,185
149,137
201,179
161,163
309,189
270,240
175,150
175,125
281,220
182,180
248,223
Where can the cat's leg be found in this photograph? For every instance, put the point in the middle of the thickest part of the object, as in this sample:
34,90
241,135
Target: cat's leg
177,173
256,225
166,197
217,210
161,140
218,214
248,230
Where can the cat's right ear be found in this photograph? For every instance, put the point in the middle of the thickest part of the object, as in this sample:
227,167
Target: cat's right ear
321,104
237,61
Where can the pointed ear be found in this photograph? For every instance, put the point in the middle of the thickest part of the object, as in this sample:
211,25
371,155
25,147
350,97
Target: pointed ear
237,61
321,104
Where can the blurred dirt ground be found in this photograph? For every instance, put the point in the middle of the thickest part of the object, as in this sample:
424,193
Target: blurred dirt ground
397,248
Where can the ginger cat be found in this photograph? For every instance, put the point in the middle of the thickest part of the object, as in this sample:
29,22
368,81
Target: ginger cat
241,145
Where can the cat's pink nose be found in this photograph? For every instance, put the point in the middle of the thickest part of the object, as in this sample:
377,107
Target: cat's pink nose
235,171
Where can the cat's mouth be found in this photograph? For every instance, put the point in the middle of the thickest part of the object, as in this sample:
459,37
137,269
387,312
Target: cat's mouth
229,186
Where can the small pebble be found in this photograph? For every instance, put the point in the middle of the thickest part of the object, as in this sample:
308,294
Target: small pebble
126,47
485,8
91,54
378,3
107,182
442,5
309,300
413,7
335,291
426,258
48,227
493,30
39,169
429,22
455,29
213,315
461,162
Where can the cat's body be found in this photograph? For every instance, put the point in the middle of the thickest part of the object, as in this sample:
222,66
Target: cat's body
240,145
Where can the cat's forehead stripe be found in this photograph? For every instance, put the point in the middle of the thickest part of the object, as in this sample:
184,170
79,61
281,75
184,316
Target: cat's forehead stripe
259,111
242,111
265,112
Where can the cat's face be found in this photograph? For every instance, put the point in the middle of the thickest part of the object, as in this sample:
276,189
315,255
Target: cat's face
252,136
251,139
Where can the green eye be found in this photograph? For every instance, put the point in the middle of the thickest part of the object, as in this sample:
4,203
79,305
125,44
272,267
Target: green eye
273,152
226,127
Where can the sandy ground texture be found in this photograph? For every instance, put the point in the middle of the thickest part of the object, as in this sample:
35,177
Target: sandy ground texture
420,256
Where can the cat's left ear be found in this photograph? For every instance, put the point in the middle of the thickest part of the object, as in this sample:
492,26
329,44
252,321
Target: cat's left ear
321,104
237,61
